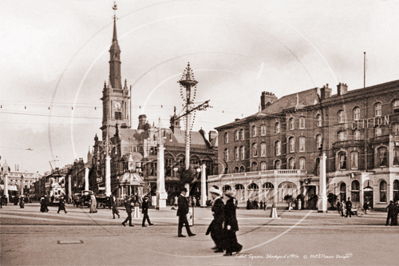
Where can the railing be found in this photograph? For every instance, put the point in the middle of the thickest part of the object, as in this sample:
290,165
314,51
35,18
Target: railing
259,174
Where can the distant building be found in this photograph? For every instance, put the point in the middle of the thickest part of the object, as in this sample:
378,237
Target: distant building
274,154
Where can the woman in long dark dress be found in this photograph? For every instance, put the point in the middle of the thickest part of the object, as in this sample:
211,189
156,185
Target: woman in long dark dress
230,226
43,204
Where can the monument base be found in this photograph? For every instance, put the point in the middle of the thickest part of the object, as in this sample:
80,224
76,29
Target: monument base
322,204
161,200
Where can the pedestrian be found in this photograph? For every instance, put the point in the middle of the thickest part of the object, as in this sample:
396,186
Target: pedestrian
348,208
21,202
365,207
144,207
395,215
216,226
230,226
249,205
182,210
391,209
339,207
43,204
61,205
5,200
128,206
343,208
93,204
261,204
114,204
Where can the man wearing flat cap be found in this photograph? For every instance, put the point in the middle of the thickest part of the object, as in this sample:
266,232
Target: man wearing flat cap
216,226
182,210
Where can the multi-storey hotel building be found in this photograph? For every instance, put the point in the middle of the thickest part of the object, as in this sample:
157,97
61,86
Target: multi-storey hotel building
276,152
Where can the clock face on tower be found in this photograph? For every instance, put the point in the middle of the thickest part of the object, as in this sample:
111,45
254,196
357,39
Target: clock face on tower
117,106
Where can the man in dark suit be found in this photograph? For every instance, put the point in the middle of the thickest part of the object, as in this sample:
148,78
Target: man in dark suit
392,210
348,204
128,206
144,207
216,226
114,206
182,210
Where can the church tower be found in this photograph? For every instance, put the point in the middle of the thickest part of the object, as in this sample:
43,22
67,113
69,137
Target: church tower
116,99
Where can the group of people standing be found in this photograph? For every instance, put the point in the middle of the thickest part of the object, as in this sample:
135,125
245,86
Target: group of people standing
253,204
345,208
224,226
393,210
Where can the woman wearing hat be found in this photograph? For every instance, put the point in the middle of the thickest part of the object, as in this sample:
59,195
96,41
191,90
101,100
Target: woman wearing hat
216,226
230,226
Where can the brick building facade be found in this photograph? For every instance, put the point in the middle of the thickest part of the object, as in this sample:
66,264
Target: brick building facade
275,152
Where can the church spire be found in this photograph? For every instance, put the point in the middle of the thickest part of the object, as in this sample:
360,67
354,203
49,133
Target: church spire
115,63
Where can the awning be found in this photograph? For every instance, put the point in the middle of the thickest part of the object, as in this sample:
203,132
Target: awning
131,179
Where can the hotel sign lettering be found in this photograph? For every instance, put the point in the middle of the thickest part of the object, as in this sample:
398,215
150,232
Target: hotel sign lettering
371,122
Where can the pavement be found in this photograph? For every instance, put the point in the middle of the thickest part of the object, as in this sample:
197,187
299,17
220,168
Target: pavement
29,237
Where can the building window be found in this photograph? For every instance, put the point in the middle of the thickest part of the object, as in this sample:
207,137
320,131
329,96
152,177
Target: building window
118,115
342,161
263,149
357,135
378,109
254,166
342,191
395,190
226,155
318,119
395,129
396,156
341,136
291,142
395,106
237,135
242,152
236,169
277,127
319,141
302,122
254,150
302,163
341,117
301,144
354,160
242,134
226,137
263,130
242,169
277,164
254,131
263,166
278,148
378,132
382,156
236,153
356,114
292,123
383,191
292,163
355,191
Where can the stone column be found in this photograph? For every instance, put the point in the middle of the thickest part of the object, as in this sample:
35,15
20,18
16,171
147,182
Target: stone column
22,185
70,188
108,176
6,186
87,169
161,193
203,186
322,202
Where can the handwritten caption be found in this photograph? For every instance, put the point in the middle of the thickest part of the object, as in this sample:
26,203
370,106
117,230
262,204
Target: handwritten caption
294,256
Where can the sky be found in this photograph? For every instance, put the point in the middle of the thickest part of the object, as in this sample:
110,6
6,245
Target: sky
55,62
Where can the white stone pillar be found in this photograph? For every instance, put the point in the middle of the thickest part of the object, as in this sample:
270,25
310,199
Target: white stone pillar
161,193
203,186
87,187
22,185
70,188
187,140
6,186
322,202
108,176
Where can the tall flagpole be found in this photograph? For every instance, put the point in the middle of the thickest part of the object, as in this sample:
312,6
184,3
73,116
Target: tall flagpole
364,71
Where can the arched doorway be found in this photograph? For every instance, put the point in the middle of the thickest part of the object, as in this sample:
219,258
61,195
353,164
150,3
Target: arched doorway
267,192
368,193
342,191
239,192
226,188
253,191
285,190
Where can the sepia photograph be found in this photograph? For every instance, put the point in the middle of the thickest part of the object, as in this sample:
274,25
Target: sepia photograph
199,132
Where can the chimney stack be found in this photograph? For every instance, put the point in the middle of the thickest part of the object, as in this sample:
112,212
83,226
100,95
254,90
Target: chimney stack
342,89
325,92
266,99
